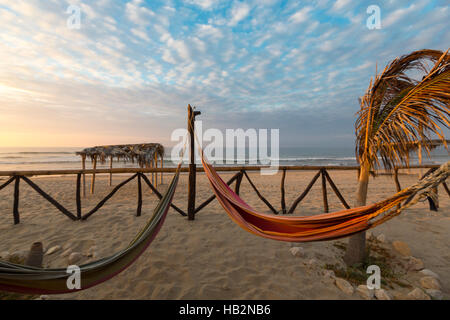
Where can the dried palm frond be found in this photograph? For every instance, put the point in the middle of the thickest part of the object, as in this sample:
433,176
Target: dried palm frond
143,153
399,112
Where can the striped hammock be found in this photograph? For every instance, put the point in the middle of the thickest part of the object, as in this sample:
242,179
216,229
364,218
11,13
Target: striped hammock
31,280
324,226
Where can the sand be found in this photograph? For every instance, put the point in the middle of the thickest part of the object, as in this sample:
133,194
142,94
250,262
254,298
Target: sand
211,257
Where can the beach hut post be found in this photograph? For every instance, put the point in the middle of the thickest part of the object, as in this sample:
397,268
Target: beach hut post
156,167
162,166
110,167
94,167
83,166
153,174
139,204
192,167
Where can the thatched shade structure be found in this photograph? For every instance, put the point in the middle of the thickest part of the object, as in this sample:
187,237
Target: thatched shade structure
144,154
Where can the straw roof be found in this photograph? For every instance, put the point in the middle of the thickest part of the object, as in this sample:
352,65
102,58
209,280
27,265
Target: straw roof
142,153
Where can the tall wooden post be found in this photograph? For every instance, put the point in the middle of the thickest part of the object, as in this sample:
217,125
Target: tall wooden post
93,175
156,167
152,165
83,162
162,166
192,167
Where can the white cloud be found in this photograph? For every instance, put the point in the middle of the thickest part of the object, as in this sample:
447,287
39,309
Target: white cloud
340,4
300,16
206,30
204,4
138,14
399,14
140,34
238,13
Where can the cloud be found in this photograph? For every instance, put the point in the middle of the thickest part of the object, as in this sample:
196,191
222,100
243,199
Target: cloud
340,4
204,4
238,13
139,14
140,34
206,30
301,15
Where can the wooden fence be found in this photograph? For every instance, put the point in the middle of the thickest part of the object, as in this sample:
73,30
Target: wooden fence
139,174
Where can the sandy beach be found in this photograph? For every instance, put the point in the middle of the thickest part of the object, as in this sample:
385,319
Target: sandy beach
212,257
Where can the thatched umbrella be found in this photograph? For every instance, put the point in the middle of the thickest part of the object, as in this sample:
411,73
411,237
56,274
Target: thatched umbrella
144,154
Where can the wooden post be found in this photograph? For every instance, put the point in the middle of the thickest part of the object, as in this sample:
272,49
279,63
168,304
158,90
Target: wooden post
397,182
83,166
162,166
260,195
16,201
192,167
148,166
156,173
93,175
139,205
324,191
303,195
237,187
152,165
78,196
336,191
446,188
283,197
110,166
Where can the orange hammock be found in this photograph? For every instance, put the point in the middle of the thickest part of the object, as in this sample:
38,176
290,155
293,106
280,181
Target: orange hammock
319,227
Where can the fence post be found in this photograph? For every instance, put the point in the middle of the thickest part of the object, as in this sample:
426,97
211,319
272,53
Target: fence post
283,196
324,191
16,201
78,196
192,167
94,167
139,205
237,187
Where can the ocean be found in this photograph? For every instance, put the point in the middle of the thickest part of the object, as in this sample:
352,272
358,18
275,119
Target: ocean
65,158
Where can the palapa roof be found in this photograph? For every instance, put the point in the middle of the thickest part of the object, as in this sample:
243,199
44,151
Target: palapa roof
142,153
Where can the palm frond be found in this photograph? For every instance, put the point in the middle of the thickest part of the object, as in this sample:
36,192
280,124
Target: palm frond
398,112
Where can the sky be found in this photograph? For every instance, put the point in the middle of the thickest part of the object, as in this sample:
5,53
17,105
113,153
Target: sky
127,74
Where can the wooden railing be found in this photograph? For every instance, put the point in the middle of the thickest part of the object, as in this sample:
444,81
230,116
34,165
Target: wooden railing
139,174
78,215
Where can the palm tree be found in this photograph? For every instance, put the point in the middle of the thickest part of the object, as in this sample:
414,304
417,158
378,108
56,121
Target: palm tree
408,102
